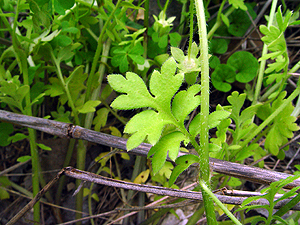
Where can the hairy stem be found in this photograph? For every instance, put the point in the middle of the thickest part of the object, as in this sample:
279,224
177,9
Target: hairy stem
203,149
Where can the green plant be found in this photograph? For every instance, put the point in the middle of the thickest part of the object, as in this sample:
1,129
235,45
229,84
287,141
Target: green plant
269,195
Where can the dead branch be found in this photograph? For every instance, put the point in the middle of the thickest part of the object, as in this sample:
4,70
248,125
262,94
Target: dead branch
66,130
91,177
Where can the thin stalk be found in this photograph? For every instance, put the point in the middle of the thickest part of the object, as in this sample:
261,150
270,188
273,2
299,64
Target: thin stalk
191,10
146,25
98,51
219,22
66,163
66,89
182,17
81,155
21,58
218,202
96,93
203,149
263,62
166,6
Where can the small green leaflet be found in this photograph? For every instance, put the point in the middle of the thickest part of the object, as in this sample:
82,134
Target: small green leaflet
89,106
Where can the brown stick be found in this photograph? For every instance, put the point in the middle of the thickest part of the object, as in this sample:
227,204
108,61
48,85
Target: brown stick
91,177
65,130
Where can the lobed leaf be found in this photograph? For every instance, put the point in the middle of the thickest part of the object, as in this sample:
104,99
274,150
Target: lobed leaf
165,84
147,124
169,143
137,94
185,101
89,106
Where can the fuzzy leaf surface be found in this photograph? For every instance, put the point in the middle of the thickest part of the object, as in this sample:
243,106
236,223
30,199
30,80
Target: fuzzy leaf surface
185,101
169,143
147,124
163,86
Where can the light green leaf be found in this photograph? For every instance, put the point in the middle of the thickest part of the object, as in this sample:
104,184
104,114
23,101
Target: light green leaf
101,118
177,53
167,145
89,106
17,137
137,95
214,119
185,101
165,84
147,124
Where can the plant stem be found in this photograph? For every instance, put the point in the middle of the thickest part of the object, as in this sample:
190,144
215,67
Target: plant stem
191,10
219,22
21,58
219,203
203,149
98,51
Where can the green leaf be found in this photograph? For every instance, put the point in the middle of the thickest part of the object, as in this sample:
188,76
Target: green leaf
55,89
282,127
165,84
163,41
89,106
175,39
225,19
24,158
245,64
178,54
185,101
222,76
167,145
63,40
218,46
17,137
183,162
237,101
137,95
101,118
65,53
147,124
3,194
44,147
214,119
234,182
238,4
5,130
120,61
